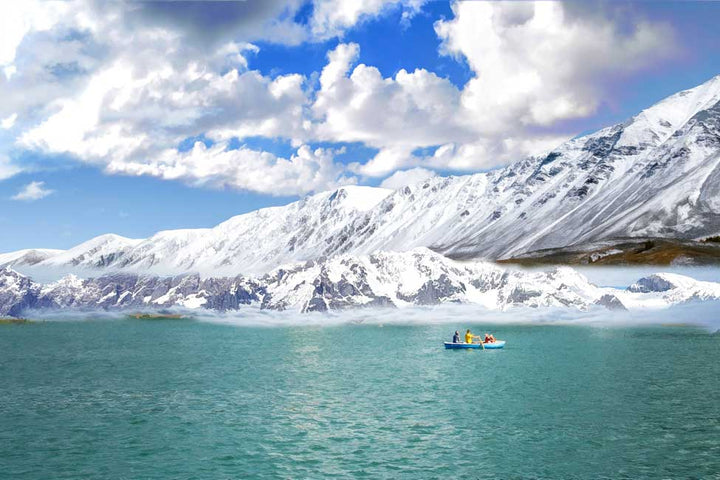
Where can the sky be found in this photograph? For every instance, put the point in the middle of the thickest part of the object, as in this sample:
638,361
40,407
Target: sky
137,117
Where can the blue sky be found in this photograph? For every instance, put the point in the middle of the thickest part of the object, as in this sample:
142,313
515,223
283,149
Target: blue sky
160,121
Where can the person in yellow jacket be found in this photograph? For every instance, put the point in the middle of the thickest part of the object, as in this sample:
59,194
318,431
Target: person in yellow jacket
469,336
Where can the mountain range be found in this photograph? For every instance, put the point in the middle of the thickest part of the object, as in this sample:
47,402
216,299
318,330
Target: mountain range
385,279
656,175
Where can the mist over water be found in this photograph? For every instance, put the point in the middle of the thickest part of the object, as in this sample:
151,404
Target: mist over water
701,314
705,315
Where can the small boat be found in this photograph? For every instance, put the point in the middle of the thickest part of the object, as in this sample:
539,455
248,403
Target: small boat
490,346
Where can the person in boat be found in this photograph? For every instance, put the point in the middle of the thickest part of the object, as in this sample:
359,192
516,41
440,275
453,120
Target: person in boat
456,337
469,336
489,338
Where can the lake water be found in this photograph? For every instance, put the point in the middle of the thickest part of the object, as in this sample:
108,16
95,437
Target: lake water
185,399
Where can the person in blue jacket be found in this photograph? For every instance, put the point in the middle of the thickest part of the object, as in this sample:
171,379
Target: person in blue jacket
456,337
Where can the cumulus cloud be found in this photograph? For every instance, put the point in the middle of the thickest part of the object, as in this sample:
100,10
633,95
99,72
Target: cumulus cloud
535,63
121,85
396,115
332,17
125,113
127,81
402,178
149,94
32,191
413,108
386,161
244,168
21,18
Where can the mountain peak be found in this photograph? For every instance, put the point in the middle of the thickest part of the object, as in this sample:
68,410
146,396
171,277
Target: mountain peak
658,122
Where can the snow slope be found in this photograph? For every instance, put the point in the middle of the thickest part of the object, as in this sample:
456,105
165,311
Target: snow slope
100,251
658,174
28,257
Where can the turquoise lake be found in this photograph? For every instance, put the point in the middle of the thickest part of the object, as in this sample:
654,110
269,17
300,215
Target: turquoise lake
134,399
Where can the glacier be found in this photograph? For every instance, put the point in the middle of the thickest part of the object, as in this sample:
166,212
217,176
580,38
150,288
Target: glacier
655,175
383,279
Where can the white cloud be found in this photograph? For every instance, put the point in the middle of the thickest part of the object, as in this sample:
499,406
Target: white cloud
32,191
490,151
386,161
119,118
121,85
306,171
332,17
152,91
125,113
535,63
8,121
18,19
411,110
402,178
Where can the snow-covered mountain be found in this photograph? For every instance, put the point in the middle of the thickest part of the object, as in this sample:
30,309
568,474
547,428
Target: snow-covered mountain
656,175
387,279
28,257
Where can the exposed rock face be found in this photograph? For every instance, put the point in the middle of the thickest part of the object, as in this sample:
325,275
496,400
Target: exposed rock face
17,293
611,302
653,283
418,277
433,292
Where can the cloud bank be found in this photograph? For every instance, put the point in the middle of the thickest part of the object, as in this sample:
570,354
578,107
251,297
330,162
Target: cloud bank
121,86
